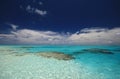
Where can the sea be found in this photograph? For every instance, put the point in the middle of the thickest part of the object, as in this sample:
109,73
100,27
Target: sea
21,62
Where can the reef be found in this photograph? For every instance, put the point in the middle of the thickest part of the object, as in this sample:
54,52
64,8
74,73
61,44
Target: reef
21,54
93,50
26,47
97,50
78,52
55,55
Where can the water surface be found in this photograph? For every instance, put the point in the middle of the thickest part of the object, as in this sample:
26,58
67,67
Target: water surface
16,64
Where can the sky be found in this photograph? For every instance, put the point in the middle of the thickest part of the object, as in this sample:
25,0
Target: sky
79,22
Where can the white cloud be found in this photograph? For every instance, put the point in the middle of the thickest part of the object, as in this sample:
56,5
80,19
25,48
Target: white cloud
92,36
87,30
5,35
96,36
36,37
40,12
40,3
31,9
28,7
14,27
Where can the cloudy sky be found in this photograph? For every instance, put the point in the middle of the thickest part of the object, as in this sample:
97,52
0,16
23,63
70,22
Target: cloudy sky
78,22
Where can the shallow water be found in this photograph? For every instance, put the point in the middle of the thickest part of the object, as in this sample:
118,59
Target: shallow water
16,64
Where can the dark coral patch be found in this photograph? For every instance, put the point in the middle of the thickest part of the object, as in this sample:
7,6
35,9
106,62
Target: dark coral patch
55,55
97,50
93,50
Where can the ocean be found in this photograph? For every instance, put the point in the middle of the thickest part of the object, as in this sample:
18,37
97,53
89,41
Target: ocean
59,62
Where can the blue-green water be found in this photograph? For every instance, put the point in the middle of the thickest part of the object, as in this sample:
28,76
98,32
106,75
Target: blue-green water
84,66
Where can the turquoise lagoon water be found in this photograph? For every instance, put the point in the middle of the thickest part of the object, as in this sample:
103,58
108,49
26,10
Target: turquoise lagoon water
84,66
